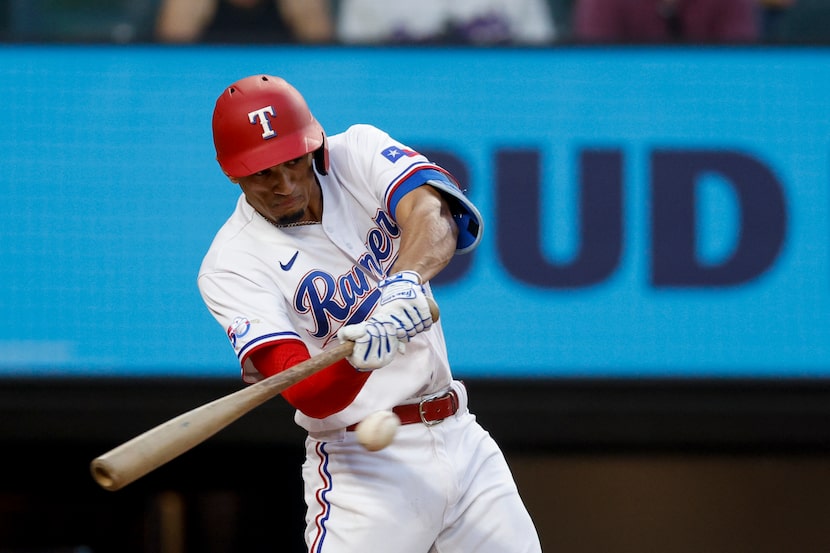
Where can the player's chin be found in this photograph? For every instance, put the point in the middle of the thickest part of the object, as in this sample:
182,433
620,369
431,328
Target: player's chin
291,217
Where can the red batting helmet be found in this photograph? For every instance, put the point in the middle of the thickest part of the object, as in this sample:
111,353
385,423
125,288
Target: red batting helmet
262,121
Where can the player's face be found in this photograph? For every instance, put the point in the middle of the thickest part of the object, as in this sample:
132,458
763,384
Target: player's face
285,193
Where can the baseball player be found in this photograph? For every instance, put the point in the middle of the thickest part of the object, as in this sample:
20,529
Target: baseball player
335,238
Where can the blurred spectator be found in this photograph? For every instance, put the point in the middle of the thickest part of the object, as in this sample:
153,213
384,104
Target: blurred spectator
5,21
80,21
652,21
805,22
772,14
245,21
478,22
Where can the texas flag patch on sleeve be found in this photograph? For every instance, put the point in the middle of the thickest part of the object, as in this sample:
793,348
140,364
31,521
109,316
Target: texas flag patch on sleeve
394,153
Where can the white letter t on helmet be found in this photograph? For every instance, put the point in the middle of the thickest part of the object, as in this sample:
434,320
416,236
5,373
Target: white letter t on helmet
258,116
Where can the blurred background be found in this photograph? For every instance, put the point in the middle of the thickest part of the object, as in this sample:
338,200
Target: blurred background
644,328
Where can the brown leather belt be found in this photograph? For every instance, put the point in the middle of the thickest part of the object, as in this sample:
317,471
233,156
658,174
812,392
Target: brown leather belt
428,411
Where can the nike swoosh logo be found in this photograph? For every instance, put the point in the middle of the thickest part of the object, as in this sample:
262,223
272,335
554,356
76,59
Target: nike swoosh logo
287,266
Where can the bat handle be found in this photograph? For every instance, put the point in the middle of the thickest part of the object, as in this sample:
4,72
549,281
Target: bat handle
433,310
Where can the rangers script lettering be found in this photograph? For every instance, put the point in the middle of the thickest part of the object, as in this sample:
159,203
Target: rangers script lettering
336,299
339,298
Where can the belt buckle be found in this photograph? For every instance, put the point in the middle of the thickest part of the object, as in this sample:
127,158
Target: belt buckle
423,413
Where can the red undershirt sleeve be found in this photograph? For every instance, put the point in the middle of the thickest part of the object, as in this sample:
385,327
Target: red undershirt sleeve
321,394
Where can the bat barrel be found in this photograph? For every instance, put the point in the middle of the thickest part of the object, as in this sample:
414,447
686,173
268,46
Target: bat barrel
103,475
144,453
150,450
132,460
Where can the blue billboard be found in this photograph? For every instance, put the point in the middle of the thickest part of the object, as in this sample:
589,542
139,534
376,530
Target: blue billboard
650,212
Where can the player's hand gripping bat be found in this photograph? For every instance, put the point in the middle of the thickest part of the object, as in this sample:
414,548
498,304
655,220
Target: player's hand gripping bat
148,451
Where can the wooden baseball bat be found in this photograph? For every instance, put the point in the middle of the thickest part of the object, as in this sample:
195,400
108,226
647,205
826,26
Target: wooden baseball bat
148,451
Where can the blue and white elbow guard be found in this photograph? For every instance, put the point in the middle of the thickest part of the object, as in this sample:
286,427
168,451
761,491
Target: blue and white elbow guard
466,215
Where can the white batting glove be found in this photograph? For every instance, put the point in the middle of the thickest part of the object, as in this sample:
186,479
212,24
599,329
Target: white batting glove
402,301
375,343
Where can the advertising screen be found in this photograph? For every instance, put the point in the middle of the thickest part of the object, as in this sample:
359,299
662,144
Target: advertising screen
648,212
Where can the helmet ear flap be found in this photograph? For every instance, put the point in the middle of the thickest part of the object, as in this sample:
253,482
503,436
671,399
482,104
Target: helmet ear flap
321,158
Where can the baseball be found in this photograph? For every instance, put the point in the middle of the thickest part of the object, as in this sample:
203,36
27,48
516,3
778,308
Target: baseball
377,430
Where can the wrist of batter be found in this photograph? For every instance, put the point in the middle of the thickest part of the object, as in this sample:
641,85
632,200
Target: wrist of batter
412,277
403,285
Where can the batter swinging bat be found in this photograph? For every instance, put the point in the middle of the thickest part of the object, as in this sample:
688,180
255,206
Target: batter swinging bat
148,451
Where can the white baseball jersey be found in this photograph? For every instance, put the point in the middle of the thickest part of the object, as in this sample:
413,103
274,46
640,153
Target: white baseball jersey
264,284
